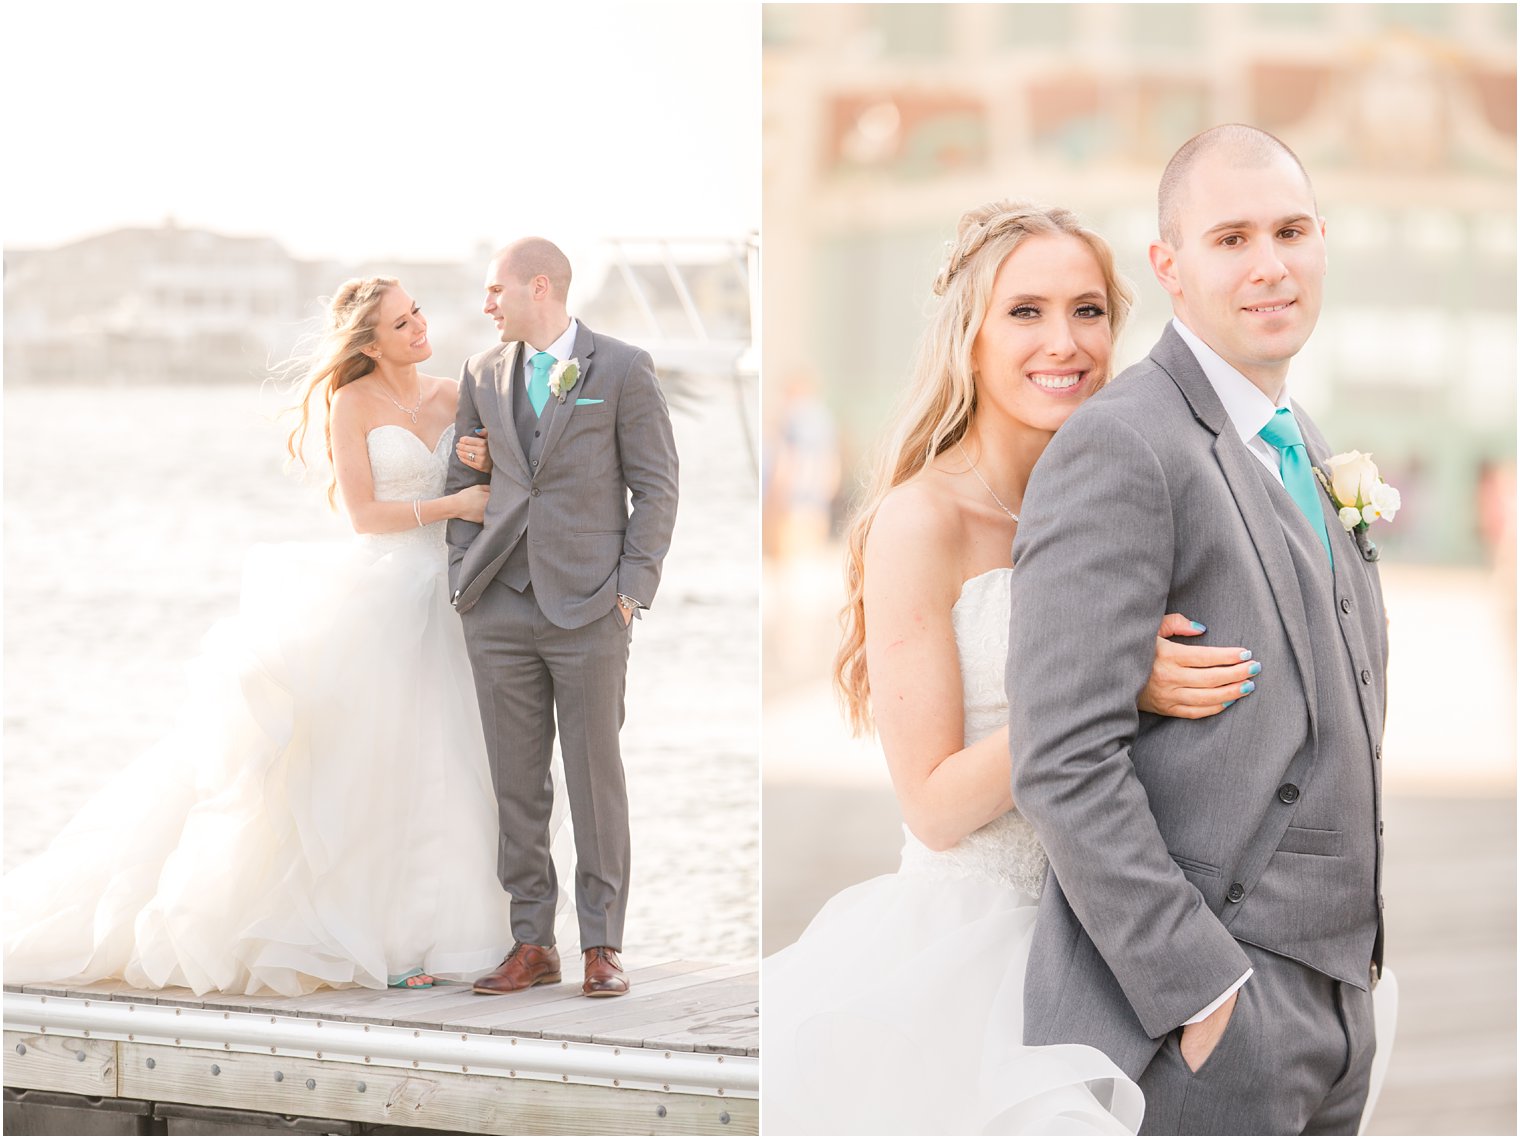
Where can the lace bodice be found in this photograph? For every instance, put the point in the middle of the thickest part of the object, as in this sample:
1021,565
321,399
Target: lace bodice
404,469
1006,849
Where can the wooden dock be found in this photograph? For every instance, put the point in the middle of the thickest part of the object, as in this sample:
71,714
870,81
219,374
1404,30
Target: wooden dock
678,1055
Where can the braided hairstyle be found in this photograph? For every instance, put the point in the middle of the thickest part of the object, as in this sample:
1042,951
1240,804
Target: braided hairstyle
338,359
941,396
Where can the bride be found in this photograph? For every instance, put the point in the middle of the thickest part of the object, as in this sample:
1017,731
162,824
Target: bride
321,813
900,1009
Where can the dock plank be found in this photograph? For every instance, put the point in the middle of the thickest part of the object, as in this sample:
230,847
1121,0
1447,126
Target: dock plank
444,1101
731,1029
57,1063
463,1009
585,1024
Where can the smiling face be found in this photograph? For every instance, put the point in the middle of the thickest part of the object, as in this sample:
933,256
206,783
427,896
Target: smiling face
509,300
1045,343
1247,273
401,329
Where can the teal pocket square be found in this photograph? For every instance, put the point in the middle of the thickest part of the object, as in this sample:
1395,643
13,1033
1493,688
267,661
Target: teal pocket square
583,402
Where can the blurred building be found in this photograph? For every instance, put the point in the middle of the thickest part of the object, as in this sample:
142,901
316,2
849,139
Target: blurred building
171,304
176,305
882,122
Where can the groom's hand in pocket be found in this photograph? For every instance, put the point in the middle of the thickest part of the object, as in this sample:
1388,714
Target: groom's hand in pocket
1199,1040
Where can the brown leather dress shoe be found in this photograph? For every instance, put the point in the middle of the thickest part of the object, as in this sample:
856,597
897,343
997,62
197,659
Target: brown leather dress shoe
604,973
526,966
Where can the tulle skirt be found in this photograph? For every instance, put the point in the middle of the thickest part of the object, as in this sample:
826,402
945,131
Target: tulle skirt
900,1012
320,814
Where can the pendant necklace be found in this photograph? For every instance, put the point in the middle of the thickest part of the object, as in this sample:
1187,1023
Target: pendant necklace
983,481
411,412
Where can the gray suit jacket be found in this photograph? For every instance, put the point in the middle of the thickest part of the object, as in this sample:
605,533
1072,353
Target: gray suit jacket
599,510
1171,839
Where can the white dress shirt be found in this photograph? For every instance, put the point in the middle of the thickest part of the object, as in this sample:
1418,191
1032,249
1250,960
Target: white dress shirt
563,346
1246,405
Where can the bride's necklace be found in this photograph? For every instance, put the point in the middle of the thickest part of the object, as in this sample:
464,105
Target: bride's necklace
983,481
411,412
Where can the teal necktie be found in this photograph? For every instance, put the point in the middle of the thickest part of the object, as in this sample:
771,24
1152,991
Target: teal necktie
538,382
1297,473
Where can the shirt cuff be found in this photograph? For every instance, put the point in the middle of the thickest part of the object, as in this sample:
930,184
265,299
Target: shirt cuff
1224,996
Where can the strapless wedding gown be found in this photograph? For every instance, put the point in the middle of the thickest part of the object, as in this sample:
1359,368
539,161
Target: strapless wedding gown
320,814
900,1009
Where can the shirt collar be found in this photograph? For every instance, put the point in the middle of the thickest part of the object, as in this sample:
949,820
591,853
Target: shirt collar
562,347
1248,408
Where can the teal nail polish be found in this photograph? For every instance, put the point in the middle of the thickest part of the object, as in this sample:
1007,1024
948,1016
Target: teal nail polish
1245,654
1254,669
1200,627
1227,703
1248,687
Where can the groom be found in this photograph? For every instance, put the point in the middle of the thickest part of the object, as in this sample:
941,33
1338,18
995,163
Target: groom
583,501
1214,923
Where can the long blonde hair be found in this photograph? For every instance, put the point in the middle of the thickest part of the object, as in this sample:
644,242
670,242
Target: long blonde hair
338,359
941,396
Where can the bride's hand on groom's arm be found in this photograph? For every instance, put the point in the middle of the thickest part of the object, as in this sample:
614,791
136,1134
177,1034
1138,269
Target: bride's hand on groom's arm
1191,682
474,453
469,503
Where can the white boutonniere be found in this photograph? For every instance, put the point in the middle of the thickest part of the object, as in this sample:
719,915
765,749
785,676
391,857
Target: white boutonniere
1361,497
562,377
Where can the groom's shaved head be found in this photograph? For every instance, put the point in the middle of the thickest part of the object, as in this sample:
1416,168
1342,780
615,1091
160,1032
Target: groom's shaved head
531,257
1242,145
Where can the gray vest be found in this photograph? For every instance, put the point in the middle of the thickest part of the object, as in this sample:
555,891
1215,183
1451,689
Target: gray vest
1317,897
530,432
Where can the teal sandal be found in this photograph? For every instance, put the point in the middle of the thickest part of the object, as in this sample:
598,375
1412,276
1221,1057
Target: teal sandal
416,979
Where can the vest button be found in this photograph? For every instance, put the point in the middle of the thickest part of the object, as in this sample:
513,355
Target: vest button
1345,605
534,492
1288,793
1237,892
1366,677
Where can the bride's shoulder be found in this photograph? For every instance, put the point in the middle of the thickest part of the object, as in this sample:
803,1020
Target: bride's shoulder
917,528
348,401
925,506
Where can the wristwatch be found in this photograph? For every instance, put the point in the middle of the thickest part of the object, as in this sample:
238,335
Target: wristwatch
632,604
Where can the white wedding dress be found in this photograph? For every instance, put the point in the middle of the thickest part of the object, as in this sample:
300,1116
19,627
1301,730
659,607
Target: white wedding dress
322,811
900,1010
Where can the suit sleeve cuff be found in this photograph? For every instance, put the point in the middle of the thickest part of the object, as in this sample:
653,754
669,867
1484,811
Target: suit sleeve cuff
1224,996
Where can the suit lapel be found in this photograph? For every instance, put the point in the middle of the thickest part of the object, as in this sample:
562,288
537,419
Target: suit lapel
1344,542
1261,518
1352,578
560,409
506,374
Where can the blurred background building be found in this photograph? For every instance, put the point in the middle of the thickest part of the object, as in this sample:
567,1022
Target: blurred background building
187,306
883,122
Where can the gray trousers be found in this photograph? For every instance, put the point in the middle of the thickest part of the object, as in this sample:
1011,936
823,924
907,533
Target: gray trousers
1295,1059
529,673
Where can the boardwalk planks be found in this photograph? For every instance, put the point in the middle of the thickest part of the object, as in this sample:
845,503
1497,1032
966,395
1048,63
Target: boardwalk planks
443,1058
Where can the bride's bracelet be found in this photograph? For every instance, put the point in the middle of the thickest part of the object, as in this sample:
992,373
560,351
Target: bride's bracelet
417,510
